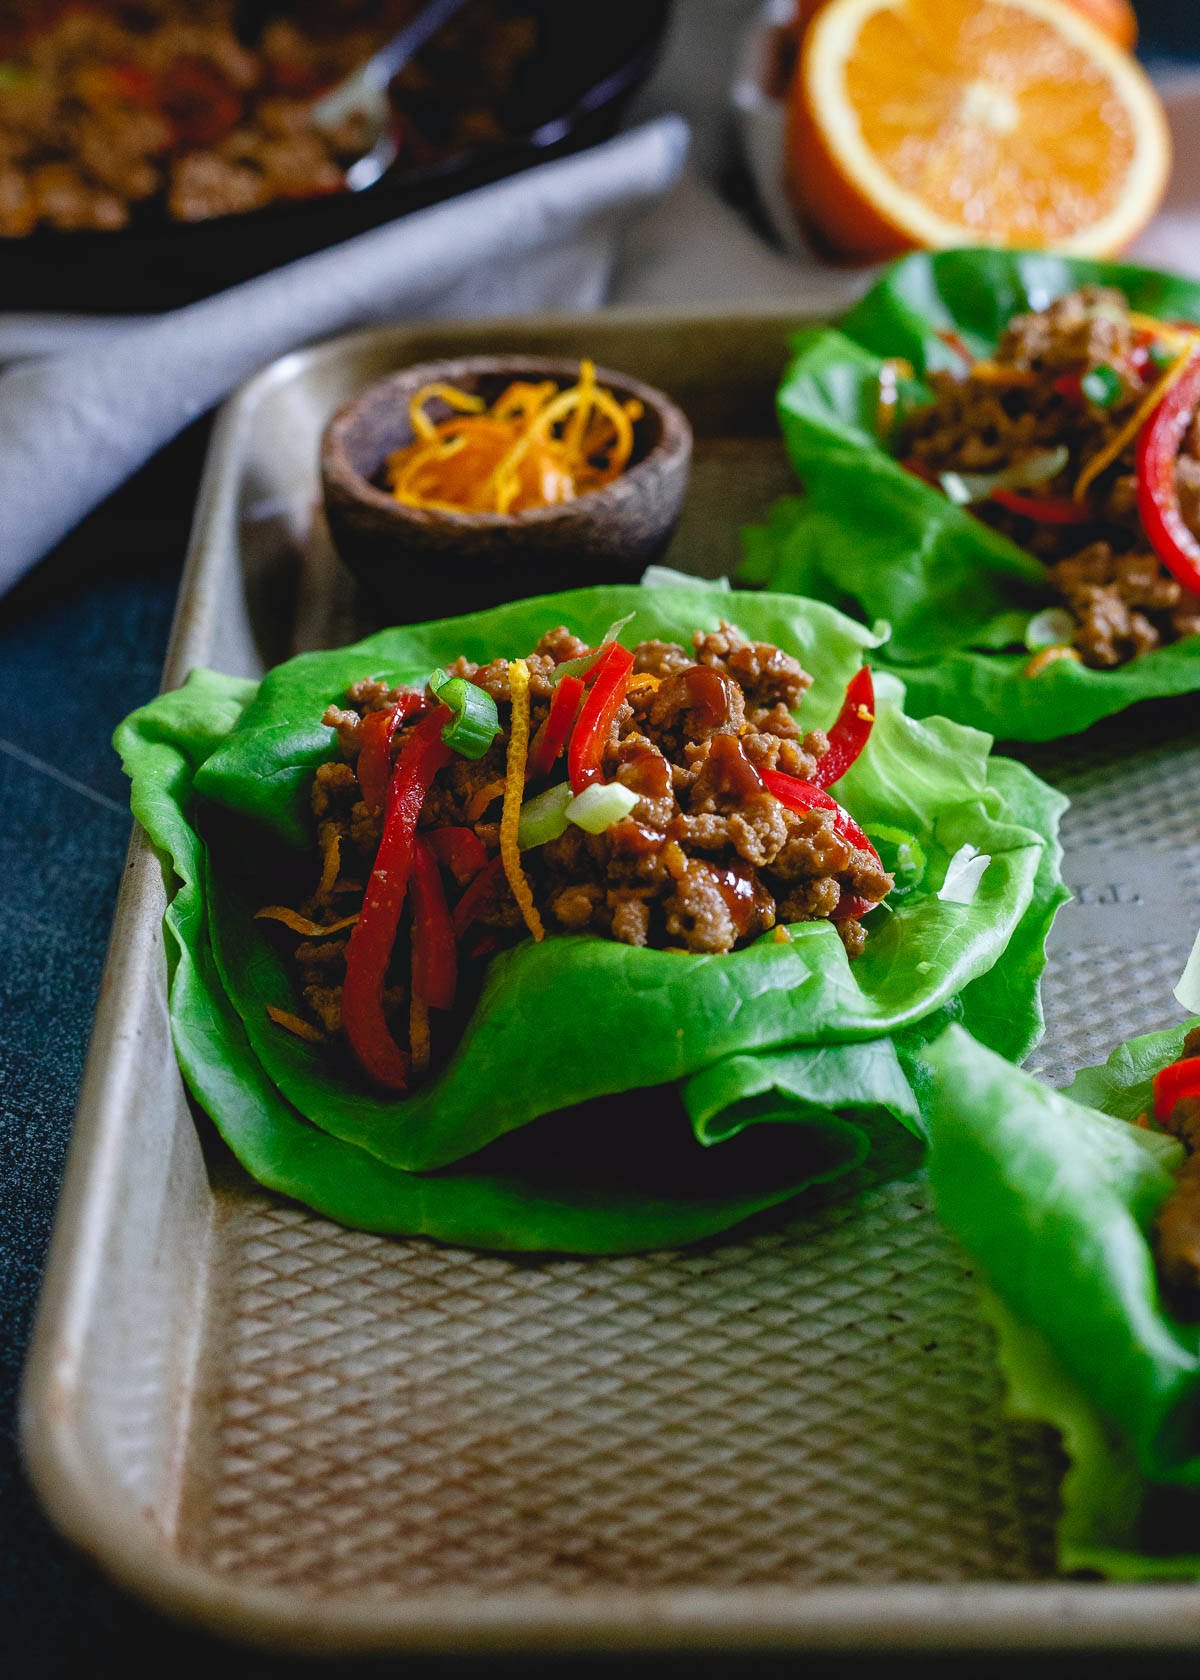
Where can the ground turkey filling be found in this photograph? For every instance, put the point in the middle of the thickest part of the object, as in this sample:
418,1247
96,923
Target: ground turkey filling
1123,600
707,859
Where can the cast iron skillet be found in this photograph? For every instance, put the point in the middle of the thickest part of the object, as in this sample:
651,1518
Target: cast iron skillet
590,60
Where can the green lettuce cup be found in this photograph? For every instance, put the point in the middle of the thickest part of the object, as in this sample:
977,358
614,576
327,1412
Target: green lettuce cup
601,1097
874,539
1053,1195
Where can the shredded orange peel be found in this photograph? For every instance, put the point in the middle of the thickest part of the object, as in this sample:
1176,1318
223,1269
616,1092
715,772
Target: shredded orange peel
483,798
514,794
536,446
1145,409
296,1024
303,924
331,860
420,1046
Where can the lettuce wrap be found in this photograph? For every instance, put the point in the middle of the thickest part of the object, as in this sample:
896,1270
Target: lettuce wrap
590,1075
1053,1194
873,538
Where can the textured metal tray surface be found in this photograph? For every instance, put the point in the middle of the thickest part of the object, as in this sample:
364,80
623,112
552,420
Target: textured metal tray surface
792,1436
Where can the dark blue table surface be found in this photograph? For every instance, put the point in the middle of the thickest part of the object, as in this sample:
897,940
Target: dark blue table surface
81,643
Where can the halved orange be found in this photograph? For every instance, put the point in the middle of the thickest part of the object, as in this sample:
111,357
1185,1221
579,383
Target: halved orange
1115,17
972,122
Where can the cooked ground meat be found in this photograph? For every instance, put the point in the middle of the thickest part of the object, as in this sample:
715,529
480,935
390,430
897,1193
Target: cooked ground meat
1027,399
706,861
114,105
1177,1229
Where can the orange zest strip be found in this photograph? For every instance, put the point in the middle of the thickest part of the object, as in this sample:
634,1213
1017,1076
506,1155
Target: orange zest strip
514,793
422,425
418,1032
1045,657
302,924
480,801
331,862
643,681
989,372
535,446
297,1025
1117,446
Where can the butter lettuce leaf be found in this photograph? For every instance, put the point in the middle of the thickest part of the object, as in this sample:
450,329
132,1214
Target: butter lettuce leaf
1053,1195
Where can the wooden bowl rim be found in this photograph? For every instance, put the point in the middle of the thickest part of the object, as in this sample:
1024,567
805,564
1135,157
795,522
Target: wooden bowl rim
674,443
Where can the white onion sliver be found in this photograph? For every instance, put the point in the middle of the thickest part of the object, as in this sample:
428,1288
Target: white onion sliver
966,870
613,633
1053,627
1188,989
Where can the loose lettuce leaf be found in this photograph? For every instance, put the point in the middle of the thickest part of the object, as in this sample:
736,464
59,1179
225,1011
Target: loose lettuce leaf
870,536
1053,1194
589,1076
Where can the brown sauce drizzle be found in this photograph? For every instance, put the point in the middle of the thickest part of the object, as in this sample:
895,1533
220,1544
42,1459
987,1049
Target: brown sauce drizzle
728,772
709,693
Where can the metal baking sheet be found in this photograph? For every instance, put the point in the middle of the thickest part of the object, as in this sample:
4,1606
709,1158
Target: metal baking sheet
791,1437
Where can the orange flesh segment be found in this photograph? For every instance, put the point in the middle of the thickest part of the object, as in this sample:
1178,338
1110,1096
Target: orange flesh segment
959,116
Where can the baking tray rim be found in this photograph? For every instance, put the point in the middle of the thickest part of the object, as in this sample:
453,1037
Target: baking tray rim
1055,1615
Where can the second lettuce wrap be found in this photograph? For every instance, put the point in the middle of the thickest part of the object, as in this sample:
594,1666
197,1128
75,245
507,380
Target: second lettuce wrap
956,595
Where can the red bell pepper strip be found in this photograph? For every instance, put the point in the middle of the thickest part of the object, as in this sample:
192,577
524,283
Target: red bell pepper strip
370,949
850,907
955,341
610,681
476,896
851,730
460,850
201,105
1171,1084
1044,510
375,733
434,954
804,796
551,738
1158,499
1070,386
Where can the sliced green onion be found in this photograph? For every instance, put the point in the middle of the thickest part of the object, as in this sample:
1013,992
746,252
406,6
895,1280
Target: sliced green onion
581,666
600,806
963,875
544,817
1053,627
1102,386
475,723
1161,355
1031,473
901,854
1188,990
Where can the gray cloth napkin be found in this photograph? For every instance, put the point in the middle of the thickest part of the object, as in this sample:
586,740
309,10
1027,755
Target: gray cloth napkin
75,424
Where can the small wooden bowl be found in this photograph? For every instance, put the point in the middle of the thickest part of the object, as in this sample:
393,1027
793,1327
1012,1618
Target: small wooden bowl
422,563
